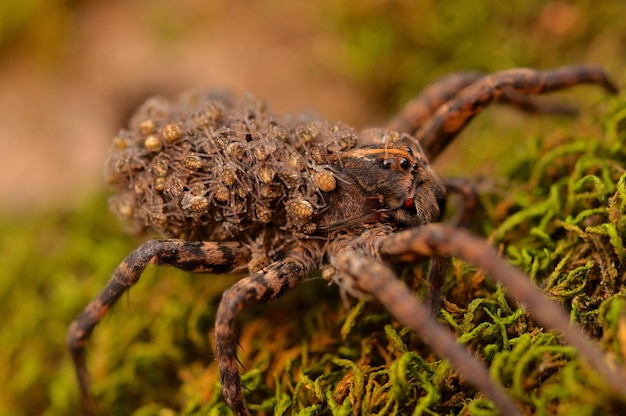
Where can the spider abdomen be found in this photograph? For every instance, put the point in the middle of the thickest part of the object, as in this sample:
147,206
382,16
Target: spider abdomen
218,166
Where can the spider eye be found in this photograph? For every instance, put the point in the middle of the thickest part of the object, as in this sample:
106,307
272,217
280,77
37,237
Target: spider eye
386,164
409,150
404,163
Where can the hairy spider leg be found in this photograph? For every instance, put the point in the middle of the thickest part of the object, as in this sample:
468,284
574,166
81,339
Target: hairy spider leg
438,239
258,288
380,281
439,264
469,200
207,257
451,117
436,278
417,111
530,105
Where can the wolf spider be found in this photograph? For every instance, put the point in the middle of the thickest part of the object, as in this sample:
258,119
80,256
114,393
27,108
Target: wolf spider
235,188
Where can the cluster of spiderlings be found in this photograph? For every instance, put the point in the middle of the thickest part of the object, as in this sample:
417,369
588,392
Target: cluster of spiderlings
218,166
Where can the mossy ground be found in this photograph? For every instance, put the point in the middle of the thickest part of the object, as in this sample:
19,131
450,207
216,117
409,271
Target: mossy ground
554,205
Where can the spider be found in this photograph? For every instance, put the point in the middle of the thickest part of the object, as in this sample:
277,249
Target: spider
235,188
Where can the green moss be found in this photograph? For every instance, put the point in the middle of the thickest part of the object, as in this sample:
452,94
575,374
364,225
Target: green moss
48,263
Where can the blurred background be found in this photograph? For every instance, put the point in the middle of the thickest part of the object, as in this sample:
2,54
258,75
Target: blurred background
72,71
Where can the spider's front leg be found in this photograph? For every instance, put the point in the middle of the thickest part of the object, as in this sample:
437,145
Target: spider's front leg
417,111
258,288
208,257
438,239
373,277
511,86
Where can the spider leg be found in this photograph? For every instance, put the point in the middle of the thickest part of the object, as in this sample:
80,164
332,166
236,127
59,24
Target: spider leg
380,281
417,111
439,264
469,200
436,278
436,239
529,105
258,288
208,257
450,118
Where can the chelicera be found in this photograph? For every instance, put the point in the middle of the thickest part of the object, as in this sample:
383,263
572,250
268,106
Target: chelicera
233,187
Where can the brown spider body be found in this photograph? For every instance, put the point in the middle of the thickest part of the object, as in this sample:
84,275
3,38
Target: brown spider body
235,187
232,169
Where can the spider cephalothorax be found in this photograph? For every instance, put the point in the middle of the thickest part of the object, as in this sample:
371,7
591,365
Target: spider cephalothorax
388,183
235,187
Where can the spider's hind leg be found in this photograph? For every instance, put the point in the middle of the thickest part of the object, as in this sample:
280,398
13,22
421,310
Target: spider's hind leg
208,257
